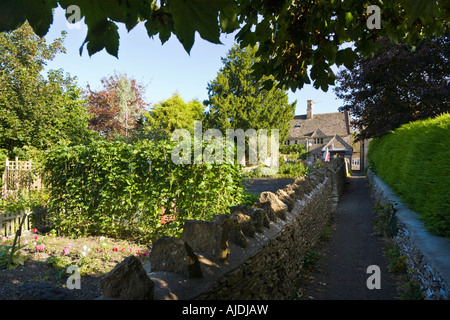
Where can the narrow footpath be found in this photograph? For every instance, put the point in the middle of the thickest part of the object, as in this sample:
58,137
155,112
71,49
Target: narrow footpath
341,272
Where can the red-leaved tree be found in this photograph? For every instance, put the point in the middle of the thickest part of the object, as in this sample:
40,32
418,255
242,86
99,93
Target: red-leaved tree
117,106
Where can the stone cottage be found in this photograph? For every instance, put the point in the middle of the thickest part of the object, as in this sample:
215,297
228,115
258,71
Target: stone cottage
317,132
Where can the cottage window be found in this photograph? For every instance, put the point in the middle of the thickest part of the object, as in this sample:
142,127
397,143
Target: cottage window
318,141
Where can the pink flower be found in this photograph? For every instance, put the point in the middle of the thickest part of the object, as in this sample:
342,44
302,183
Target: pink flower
34,230
65,251
42,247
68,245
35,238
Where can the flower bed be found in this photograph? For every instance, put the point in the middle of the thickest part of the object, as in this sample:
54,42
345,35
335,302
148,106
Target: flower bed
46,257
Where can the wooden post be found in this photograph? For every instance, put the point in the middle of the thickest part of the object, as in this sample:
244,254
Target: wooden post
29,176
16,174
11,224
5,177
14,246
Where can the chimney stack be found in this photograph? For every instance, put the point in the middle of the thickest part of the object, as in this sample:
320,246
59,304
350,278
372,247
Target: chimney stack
310,109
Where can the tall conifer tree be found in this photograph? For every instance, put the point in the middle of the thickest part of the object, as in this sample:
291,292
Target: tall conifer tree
238,101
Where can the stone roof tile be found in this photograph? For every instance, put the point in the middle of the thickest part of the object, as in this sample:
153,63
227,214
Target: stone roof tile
329,124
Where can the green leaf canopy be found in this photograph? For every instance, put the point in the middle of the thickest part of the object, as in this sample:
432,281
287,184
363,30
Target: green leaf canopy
292,34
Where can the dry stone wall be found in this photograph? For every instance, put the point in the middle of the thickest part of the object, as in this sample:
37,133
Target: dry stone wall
253,252
428,255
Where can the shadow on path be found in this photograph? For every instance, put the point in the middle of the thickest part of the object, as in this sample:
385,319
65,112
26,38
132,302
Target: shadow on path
258,185
341,272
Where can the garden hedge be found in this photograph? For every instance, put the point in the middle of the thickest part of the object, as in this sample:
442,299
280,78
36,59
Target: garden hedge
115,188
414,161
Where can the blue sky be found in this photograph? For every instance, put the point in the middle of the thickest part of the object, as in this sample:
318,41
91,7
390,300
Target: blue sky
164,69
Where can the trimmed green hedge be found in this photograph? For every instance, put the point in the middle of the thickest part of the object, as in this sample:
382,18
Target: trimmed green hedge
414,161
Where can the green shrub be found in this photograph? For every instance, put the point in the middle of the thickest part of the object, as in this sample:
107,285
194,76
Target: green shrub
289,169
16,259
117,189
386,221
414,161
250,198
292,170
398,263
24,200
311,259
295,151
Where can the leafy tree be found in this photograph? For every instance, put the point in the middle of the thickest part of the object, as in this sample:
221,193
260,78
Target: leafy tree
36,112
238,101
397,86
125,97
292,34
117,107
173,113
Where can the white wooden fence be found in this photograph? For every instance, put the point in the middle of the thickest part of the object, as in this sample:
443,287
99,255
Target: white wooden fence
20,176
10,221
